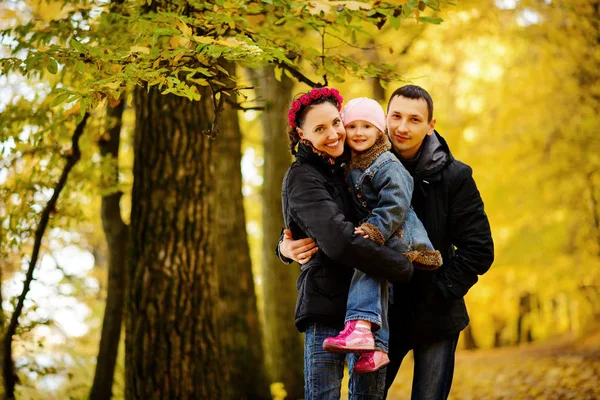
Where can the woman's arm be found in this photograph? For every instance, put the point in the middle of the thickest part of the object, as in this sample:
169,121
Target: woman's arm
317,214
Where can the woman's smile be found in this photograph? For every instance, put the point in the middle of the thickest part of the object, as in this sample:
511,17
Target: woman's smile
334,144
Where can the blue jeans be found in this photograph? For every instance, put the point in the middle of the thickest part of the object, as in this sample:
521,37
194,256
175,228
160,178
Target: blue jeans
323,371
434,368
368,301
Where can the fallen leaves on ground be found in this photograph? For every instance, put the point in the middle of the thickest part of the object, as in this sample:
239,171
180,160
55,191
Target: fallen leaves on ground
548,371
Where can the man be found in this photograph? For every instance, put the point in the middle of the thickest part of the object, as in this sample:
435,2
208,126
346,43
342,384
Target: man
429,312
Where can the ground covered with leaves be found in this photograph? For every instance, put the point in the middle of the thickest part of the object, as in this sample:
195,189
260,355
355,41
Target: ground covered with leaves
567,369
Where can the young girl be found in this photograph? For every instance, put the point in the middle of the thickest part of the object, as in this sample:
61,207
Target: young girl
382,190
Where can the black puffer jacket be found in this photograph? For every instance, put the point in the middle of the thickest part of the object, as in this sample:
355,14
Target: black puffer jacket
316,204
431,306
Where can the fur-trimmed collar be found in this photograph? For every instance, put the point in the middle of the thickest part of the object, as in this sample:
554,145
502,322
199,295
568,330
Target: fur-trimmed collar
364,159
330,160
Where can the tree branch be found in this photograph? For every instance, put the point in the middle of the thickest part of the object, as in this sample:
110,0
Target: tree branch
73,156
213,131
238,106
301,77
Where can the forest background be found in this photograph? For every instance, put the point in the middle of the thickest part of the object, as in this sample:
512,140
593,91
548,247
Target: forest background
142,151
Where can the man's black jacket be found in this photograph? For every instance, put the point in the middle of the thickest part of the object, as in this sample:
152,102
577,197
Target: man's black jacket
431,306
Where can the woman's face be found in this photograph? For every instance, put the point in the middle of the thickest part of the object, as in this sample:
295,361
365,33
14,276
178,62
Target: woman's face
324,129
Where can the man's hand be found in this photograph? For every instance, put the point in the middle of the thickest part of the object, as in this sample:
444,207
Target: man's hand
300,251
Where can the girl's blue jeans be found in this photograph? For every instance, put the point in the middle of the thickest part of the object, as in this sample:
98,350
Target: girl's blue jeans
323,371
368,301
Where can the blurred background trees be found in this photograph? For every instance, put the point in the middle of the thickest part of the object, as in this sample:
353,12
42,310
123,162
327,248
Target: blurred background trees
517,96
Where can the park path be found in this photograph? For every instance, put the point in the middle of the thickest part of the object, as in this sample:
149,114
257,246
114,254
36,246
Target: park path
563,369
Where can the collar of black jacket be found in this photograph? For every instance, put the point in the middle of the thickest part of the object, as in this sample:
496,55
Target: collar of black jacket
434,156
307,153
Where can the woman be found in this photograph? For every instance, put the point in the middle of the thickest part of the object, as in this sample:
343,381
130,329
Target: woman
316,204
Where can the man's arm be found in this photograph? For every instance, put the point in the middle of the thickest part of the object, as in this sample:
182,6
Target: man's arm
471,235
319,217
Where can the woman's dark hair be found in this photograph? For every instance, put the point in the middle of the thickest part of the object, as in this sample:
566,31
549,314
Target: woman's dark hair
293,135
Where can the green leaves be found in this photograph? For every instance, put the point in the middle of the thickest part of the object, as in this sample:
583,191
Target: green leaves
435,21
52,65
154,48
60,98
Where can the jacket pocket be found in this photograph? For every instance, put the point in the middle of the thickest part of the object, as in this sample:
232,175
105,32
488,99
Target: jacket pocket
429,291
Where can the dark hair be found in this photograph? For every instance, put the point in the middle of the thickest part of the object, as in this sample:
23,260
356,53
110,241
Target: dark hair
416,93
293,135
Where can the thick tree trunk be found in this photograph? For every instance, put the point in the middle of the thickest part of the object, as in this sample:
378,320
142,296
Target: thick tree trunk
284,344
173,350
238,313
115,231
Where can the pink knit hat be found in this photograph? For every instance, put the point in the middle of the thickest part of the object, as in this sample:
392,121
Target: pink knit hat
364,109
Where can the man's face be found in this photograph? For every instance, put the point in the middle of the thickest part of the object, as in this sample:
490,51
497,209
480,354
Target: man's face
407,125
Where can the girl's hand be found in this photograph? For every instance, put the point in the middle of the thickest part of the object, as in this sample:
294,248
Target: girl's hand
359,231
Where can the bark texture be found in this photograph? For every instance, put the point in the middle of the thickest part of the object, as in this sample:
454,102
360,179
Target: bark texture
172,347
116,234
282,340
239,325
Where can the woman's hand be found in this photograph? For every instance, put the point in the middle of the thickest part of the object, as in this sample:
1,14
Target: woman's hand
300,250
359,231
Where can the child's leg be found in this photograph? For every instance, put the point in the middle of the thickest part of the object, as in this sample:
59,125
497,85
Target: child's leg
365,299
382,336
374,360
363,315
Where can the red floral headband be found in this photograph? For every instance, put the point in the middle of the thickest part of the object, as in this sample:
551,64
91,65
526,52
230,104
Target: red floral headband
308,98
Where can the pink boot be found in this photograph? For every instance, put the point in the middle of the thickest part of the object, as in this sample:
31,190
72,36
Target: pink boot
353,339
371,362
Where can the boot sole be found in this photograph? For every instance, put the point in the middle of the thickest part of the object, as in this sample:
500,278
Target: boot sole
335,349
368,370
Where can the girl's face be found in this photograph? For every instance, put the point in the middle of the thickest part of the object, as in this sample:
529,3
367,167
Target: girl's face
323,128
362,135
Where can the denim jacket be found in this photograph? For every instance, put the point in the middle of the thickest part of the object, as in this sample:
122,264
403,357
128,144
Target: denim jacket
382,191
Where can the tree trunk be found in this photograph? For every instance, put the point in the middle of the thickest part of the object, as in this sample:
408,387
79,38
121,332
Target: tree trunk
72,157
284,344
172,347
376,87
523,324
499,326
238,313
595,209
470,342
2,327
115,231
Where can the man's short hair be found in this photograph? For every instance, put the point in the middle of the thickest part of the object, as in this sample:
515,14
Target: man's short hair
414,92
